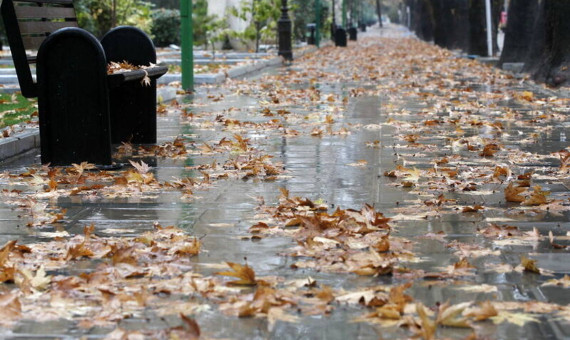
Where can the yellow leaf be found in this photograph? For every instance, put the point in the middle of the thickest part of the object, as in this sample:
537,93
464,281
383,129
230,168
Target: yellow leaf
529,265
518,319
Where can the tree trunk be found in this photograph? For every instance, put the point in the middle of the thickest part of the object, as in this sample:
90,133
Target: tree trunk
549,57
519,31
460,28
422,19
379,11
477,28
443,23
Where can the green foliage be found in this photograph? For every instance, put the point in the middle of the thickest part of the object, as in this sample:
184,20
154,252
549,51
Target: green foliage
167,4
165,27
303,12
207,28
14,109
99,16
262,16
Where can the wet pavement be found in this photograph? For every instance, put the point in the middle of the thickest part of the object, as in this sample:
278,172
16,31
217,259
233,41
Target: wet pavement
424,137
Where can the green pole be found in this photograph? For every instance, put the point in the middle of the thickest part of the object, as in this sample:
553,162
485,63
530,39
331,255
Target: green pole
187,45
318,9
344,14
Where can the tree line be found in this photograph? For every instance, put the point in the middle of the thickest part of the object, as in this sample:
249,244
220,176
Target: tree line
537,33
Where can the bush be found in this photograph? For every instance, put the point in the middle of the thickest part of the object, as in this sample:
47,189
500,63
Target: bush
168,4
166,27
98,17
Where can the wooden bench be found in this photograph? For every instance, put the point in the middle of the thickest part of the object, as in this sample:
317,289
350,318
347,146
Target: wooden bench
82,109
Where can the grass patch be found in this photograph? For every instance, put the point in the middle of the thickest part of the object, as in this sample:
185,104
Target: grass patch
16,109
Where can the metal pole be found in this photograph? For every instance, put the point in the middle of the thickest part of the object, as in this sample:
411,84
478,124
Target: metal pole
318,22
489,28
187,45
284,28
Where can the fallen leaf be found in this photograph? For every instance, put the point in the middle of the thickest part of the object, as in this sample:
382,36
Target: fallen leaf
513,194
529,265
244,273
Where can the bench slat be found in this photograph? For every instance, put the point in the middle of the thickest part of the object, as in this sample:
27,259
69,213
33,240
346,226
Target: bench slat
41,27
32,43
34,12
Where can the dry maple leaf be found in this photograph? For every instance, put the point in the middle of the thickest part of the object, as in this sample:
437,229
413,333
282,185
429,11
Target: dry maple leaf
78,251
519,319
188,330
244,273
142,168
537,197
463,264
554,244
484,311
489,150
529,265
6,251
513,194
563,282
450,316
80,168
428,326
278,314
38,281
564,156
10,307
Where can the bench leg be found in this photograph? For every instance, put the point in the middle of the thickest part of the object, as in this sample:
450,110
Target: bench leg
73,99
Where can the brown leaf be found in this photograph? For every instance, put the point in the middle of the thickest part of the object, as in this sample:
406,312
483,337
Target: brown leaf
490,150
537,197
191,326
513,194
6,251
428,326
483,312
553,244
475,208
463,264
450,316
529,265
244,273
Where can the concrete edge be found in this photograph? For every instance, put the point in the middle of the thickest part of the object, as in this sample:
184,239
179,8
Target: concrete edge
19,143
234,72
29,139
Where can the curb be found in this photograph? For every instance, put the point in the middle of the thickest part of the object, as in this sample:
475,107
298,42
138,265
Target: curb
29,139
20,143
234,72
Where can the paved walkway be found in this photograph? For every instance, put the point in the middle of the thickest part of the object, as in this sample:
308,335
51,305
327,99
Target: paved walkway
288,177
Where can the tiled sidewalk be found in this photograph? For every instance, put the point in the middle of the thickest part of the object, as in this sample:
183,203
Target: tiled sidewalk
426,138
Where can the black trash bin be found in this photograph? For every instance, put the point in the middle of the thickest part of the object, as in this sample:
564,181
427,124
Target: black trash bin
311,34
340,37
352,33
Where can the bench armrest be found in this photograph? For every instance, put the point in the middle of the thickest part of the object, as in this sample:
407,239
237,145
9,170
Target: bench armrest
119,78
126,43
